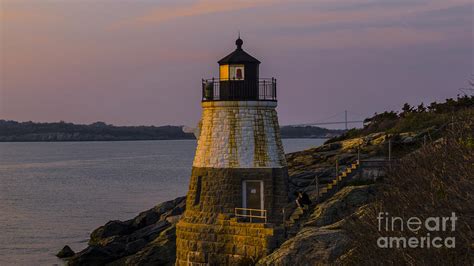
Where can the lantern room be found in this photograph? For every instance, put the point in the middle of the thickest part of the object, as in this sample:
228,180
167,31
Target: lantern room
238,65
239,79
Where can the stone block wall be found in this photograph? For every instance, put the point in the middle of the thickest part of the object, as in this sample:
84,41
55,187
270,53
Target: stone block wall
220,191
239,134
225,242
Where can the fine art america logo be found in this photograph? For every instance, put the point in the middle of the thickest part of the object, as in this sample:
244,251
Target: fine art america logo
433,225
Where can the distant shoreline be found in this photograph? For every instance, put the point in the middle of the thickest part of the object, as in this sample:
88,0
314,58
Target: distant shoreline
13,131
28,141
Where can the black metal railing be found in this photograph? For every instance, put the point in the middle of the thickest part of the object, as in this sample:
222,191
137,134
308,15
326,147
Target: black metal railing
239,90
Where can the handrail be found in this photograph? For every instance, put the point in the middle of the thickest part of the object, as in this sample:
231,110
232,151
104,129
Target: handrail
229,79
215,89
263,213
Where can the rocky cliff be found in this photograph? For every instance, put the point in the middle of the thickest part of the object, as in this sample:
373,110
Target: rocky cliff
322,239
149,238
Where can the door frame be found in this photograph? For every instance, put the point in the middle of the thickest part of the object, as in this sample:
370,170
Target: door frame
244,193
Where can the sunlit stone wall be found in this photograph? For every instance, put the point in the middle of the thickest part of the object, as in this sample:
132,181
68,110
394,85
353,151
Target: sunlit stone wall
239,134
225,242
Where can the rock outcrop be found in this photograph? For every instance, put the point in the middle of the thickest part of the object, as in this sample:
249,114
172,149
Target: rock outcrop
341,205
65,252
311,244
322,240
149,238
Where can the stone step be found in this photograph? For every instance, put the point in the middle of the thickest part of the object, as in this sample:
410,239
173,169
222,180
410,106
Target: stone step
298,216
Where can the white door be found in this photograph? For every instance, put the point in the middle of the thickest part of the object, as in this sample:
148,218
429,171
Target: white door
252,194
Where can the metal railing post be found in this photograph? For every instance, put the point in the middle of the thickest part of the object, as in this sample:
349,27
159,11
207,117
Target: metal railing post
203,94
274,88
213,89
284,215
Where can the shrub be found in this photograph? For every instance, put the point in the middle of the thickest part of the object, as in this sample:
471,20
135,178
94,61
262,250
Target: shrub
433,181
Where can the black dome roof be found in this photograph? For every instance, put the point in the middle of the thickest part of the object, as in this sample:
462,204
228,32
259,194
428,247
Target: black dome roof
239,56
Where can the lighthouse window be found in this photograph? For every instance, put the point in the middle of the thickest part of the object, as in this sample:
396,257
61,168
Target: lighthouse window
236,72
197,197
224,72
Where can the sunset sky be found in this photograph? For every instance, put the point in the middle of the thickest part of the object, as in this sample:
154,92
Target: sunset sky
141,62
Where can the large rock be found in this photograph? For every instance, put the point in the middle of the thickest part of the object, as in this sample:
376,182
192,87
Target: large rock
65,252
341,205
93,255
322,240
161,251
115,229
167,208
116,242
311,245
110,229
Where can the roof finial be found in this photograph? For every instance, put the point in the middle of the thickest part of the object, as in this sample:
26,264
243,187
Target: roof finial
239,42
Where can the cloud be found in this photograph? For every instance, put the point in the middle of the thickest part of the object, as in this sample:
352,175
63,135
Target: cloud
375,37
199,8
7,15
374,13
13,14
374,26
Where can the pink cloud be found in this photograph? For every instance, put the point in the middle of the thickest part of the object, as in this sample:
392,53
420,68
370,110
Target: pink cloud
380,37
199,8
317,17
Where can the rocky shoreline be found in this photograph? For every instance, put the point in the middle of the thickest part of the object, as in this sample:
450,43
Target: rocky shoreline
149,238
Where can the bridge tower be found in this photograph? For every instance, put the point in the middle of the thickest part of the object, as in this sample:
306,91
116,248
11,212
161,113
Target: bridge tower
239,180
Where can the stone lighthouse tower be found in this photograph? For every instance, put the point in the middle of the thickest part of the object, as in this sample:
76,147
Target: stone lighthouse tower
239,181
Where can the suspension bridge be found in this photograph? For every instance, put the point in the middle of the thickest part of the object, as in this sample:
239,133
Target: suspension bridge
336,120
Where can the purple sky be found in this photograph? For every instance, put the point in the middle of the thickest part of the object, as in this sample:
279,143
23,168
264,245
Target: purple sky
141,62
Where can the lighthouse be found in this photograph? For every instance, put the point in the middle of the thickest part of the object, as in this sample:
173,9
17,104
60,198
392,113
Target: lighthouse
239,181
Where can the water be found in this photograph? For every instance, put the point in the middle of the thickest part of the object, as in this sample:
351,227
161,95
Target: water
56,193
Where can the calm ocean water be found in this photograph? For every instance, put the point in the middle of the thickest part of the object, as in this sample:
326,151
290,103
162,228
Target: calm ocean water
52,194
